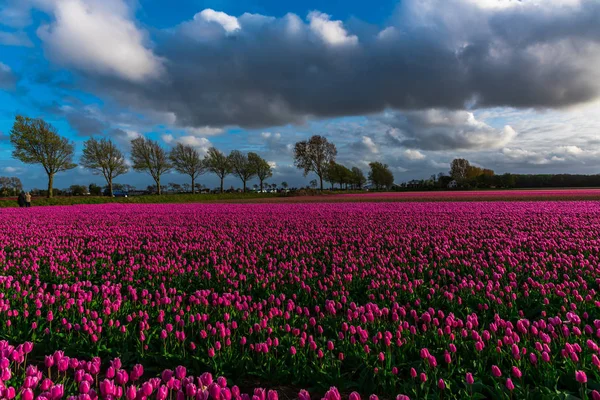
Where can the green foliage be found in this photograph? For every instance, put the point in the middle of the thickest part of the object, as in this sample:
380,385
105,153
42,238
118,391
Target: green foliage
95,190
148,156
261,166
37,142
241,166
380,175
314,155
103,157
217,163
186,160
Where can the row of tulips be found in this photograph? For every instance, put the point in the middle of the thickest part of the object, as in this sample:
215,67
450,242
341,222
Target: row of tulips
446,300
88,380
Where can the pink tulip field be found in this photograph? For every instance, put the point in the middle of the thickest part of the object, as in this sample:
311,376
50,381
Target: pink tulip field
427,300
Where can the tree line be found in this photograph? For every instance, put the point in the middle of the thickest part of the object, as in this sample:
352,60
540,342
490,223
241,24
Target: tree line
37,142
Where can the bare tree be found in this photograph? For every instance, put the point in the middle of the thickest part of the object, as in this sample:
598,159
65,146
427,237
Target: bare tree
314,155
262,168
459,169
38,142
103,156
217,163
241,167
186,160
148,156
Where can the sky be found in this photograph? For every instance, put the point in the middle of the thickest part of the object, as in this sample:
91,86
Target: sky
510,85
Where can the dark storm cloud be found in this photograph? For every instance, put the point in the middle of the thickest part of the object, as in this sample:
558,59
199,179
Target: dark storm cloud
85,125
276,71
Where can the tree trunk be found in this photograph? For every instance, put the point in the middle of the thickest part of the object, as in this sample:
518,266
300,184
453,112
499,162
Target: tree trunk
50,183
193,190
321,179
110,188
244,181
222,179
261,185
157,180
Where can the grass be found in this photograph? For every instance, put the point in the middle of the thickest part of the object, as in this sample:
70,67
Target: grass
149,199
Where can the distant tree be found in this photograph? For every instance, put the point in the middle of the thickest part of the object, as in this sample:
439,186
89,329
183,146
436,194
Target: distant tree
78,190
175,187
103,156
313,184
148,156
217,163
186,160
255,186
284,184
242,167
262,167
198,187
358,177
330,173
314,155
10,186
380,175
186,187
37,142
459,169
95,190
127,188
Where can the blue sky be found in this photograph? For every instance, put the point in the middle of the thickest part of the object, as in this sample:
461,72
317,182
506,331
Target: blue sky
510,85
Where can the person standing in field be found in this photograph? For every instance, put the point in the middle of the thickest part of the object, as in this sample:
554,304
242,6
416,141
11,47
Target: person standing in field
21,199
27,199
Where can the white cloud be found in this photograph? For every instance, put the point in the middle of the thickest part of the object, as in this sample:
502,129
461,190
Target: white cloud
270,135
332,32
98,37
13,170
504,4
413,154
200,143
228,22
570,150
369,144
168,138
387,33
204,131
437,129
272,164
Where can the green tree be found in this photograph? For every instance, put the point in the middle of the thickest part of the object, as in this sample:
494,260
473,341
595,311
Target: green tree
314,155
217,163
380,175
103,156
78,190
148,156
242,167
262,167
358,177
37,142
95,190
186,160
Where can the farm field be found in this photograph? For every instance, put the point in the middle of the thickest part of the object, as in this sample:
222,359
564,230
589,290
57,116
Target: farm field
438,196
442,300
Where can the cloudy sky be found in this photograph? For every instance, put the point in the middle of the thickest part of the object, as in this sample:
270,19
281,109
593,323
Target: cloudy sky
510,85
